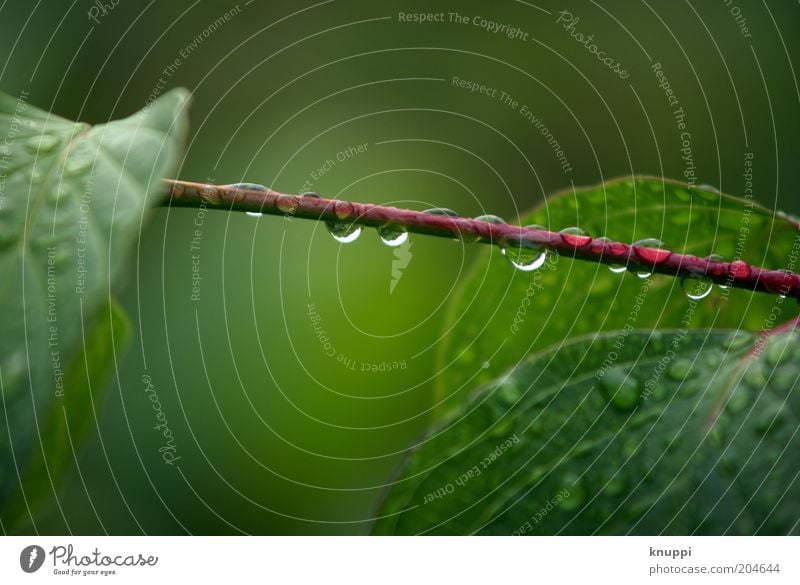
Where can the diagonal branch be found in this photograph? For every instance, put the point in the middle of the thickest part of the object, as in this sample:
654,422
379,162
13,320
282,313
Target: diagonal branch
737,274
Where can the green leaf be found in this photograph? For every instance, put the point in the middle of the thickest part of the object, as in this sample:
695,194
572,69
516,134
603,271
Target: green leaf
72,418
498,315
72,199
670,432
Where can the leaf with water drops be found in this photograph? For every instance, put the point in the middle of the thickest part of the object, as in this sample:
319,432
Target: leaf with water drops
501,314
71,203
626,432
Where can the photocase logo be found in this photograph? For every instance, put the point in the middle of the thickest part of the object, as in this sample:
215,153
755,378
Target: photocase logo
31,558
402,257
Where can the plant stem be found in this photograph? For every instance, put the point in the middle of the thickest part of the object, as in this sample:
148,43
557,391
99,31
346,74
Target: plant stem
737,274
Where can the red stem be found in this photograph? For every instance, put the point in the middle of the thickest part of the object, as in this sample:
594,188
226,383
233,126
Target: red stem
737,274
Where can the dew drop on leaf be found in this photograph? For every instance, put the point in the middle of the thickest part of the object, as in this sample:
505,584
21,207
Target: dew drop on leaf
255,214
621,388
777,348
737,341
77,164
681,369
574,486
42,144
509,390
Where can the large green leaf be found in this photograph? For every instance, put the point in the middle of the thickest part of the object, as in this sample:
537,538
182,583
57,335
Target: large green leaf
499,315
71,205
663,432
72,419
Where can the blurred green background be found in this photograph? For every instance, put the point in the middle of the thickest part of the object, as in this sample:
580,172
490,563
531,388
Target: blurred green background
297,379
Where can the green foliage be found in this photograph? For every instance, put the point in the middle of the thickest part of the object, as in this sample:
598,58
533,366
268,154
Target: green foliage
71,205
667,431
498,316
72,418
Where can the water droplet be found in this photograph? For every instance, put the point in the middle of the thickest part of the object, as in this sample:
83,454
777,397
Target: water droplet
526,259
509,391
344,209
682,369
442,211
709,188
697,287
739,269
575,236
77,164
652,251
779,347
714,359
615,268
247,186
621,388
392,237
754,375
288,204
485,365
344,233
573,485
42,144
490,219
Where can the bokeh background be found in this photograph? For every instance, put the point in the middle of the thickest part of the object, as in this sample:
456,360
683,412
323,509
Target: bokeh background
298,376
